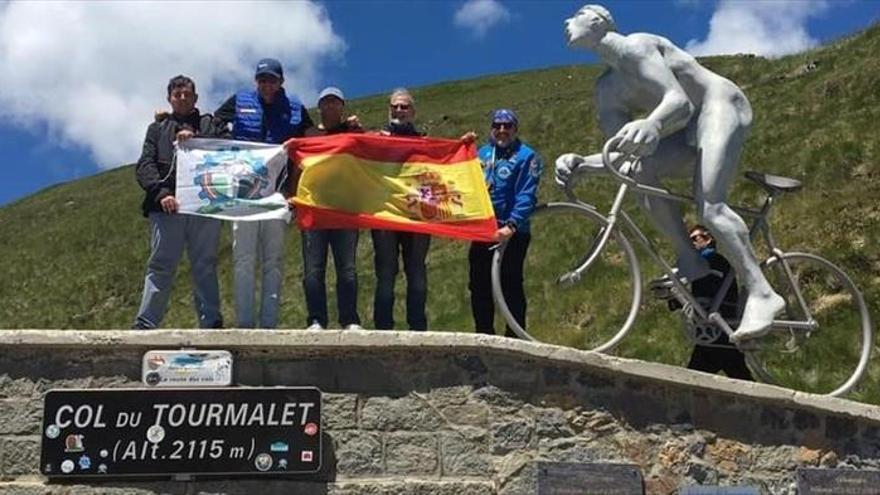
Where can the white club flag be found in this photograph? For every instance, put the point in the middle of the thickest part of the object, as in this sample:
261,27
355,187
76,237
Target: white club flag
231,180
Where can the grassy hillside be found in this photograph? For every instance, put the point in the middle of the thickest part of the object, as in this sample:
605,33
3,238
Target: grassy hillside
73,256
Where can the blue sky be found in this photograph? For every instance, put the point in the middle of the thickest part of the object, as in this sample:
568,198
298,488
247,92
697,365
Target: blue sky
79,80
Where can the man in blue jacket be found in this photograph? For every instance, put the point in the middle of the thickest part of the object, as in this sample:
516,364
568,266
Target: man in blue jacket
265,114
512,171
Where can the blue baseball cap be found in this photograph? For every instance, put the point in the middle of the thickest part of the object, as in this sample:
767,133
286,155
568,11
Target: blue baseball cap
505,116
270,67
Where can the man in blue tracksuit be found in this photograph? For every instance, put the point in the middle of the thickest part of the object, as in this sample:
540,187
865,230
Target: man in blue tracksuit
512,171
264,114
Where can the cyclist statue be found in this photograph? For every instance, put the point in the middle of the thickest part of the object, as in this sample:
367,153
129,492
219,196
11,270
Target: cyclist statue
696,123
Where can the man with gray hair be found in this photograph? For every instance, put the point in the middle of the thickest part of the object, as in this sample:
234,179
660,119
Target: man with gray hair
388,245
695,123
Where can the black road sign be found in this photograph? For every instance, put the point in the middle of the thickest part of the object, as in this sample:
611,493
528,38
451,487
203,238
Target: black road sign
164,432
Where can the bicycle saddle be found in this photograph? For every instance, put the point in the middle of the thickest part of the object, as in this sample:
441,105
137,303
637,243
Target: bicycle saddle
774,183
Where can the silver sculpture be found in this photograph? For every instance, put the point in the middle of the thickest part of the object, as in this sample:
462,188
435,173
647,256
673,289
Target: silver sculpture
696,124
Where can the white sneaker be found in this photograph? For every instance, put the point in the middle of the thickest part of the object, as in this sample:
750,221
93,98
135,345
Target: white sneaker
315,326
353,326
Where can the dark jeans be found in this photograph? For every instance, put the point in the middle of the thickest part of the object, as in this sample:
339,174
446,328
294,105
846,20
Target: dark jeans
388,245
715,359
482,304
343,242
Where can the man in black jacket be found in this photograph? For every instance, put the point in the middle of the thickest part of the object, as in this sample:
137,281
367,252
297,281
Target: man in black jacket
388,245
170,231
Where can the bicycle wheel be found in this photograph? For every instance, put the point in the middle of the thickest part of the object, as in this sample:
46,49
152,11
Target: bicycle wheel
593,313
829,357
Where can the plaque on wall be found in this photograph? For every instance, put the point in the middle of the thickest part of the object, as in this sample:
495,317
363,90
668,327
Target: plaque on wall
169,432
187,368
719,490
813,481
572,478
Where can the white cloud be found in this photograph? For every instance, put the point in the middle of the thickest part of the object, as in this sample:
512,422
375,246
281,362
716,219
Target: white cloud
92,73
767,28
479,16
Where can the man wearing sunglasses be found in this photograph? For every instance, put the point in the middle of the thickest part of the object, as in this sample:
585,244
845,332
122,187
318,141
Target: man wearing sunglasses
265,114
512,171
388,245
719,355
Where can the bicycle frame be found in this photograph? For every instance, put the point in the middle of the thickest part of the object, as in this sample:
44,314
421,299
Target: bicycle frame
617,215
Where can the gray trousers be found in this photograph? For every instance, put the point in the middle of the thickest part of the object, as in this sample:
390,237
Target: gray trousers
170,234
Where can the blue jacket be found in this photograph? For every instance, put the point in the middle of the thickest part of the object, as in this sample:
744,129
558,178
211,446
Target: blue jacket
512,175
284,118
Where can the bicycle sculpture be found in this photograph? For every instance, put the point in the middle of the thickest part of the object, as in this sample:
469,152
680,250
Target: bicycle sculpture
696,124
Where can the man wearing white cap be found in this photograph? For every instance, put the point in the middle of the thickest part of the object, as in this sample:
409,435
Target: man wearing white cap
343,242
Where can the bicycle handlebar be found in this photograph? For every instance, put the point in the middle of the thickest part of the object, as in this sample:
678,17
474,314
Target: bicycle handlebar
611,145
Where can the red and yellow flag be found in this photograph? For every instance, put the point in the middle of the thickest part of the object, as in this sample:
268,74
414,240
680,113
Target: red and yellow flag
426,185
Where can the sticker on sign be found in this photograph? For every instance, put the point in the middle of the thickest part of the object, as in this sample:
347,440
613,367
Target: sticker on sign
187,368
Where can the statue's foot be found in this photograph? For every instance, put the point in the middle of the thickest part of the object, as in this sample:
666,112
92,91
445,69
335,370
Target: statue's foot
692,267
758,316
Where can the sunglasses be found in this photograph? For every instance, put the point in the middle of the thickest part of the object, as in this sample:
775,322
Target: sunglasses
503,125
697,237
399,106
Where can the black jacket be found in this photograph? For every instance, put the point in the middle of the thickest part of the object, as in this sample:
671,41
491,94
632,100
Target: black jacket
407,129
155,170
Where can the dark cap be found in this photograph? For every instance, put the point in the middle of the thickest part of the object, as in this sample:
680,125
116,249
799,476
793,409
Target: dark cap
504,116
269,66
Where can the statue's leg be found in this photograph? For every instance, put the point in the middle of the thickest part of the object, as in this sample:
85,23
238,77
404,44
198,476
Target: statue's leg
721,132
672,158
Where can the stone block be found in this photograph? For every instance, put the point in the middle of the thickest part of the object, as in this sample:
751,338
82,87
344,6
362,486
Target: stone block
20,416
442,396
409,413
498,399
467,414
16,387
511,435
19,455
411,453
465,454
551,423
411,487
358,453
339,411
250,487
17,488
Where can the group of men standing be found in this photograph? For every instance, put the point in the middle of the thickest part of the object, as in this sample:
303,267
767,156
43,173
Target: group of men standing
267,114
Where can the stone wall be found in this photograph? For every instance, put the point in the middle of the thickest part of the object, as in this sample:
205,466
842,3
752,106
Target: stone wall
457,414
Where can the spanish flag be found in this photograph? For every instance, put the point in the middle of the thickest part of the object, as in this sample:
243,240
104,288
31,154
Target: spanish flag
427,185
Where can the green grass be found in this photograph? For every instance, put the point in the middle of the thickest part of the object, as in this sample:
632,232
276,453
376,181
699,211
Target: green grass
73,255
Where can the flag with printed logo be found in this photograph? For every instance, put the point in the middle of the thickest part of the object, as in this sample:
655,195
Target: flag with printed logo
231,180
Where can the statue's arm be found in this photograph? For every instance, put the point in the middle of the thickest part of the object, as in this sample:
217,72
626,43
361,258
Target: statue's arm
647,64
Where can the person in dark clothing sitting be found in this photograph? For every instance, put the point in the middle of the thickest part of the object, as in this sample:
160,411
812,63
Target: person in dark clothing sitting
720,354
